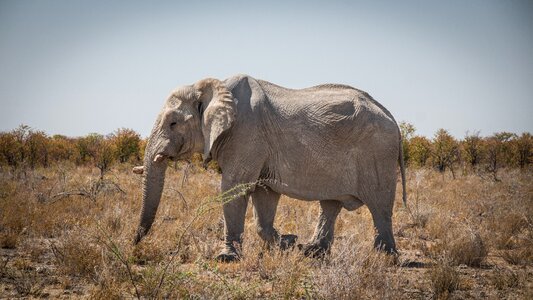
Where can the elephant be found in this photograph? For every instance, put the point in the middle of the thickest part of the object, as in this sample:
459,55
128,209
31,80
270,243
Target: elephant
330,143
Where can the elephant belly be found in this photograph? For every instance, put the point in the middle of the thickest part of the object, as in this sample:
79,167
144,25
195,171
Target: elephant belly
349,202
317,184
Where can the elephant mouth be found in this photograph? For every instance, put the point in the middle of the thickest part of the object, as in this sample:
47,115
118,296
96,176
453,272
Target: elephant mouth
161,156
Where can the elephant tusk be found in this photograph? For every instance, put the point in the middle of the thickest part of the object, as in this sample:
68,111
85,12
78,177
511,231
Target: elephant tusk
138,170
159,158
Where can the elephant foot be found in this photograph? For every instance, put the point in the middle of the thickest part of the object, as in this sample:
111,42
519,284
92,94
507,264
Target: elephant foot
388,248
228,257
287,241
315,250
392,255
229,254
389,251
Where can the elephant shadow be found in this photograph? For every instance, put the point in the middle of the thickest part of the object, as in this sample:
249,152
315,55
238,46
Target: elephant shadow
412,264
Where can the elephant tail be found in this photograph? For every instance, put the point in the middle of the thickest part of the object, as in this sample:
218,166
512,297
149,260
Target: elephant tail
402,172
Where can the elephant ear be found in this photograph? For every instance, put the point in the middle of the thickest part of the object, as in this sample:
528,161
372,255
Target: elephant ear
218,110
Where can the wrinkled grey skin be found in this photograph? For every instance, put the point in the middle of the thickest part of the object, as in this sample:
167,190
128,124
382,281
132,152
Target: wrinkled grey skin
331,143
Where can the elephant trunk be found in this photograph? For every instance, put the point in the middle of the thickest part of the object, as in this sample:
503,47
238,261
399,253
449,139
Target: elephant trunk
155,166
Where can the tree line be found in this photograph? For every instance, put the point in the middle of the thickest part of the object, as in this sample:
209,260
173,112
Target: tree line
25,147
474,152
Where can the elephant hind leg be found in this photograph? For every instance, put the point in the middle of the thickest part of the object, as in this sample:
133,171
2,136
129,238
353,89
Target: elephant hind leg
320,243
380,206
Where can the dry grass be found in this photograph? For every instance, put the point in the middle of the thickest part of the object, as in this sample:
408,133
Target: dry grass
444,279
464,238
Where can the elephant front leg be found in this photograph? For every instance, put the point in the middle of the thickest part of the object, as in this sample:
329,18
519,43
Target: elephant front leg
322,239
234,214
265,202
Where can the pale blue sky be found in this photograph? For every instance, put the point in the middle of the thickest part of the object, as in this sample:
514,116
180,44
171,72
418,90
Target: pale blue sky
74,67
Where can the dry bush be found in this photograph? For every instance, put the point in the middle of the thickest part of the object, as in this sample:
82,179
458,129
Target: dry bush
509,224
356,271
419,214
522,256
149,282
418,210
440,225
223,284
504,278
77,255
105,292
460,244
15,217
146,253
467,248
289,274
26,280
444,279
9,239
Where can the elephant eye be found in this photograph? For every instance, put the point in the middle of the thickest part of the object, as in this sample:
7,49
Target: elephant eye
172,124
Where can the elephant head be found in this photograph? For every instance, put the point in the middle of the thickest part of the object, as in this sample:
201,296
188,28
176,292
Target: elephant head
193,119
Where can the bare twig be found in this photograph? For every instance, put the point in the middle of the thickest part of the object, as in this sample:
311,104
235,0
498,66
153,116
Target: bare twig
91,191
180,195
185,173
63,195
114,184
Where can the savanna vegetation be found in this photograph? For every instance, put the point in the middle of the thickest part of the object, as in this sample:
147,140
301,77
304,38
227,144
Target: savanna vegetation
69,207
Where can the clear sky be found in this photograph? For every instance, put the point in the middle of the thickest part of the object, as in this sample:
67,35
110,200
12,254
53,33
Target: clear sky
75,67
